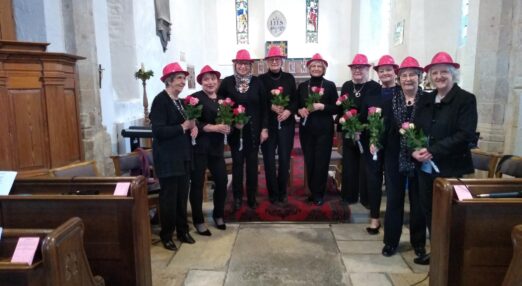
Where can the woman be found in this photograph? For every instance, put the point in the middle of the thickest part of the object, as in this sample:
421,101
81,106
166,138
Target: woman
316,128
172,155
246,90
400,169
448,116
281,126
208,153
353,174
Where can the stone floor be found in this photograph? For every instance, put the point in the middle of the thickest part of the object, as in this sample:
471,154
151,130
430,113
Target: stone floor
287,254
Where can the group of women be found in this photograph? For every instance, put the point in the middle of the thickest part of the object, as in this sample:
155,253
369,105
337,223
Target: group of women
447,116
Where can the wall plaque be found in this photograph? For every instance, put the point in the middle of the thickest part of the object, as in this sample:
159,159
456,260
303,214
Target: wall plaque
276,23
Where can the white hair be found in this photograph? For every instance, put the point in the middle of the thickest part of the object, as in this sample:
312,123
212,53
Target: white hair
455,74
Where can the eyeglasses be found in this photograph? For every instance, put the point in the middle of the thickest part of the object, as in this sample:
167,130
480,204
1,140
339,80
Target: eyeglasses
273,60
358,67
408,75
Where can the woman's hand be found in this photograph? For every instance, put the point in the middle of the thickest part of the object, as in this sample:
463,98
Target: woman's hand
239,126
373,149
194,132
422,155
303,112
264,135
277,109
188,124
284,115
318,106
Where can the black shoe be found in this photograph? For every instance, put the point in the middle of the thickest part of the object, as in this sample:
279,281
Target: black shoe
373,231
272,200
283,200
389,250
186,238
423,260
237,204
318,202
169,244
206,232
219,226
420,251
310,199
252,204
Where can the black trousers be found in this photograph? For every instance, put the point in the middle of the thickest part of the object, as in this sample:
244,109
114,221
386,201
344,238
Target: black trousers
373,171
317,151
248,156
216,165
426,195
353,174
281,140
173,198
396,183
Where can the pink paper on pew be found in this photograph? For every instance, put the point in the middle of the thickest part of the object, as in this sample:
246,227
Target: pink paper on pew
121,189
462,192
25,250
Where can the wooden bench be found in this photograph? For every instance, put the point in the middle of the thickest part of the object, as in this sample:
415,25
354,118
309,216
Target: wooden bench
117,229
514,274
470,240
59,261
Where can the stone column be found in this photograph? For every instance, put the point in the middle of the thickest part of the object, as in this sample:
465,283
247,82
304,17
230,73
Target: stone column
80,40
492,84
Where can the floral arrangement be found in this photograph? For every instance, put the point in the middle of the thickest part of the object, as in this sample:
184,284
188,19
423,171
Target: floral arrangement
313,97
142,74
375,127
225,113
345,101
416,140
240,117
352,127
279,99
192,107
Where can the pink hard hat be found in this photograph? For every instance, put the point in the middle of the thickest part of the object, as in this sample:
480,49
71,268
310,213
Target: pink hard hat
359,60
441,58
172,68
275,51
386,60
410,63
243,55
317,57
206,69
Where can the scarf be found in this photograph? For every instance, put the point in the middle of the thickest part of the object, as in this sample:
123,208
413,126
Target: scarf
242,82
400,113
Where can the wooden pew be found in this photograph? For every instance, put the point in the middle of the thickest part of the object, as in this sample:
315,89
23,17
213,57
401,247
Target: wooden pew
470,240
514,274
117,229
60,260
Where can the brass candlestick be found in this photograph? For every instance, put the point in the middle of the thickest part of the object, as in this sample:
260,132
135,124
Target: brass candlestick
144,76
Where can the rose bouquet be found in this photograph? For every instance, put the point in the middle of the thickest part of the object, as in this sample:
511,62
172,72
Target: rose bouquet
375,127
313,97
225,114
279,99
240,117
352,127
416,140
345,102
193,110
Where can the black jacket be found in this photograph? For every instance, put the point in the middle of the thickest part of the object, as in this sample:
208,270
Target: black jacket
322,120
451,126
287,81
254,100
211,143
171,147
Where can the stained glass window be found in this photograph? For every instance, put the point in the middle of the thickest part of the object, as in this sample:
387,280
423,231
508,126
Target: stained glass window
312,20
242,21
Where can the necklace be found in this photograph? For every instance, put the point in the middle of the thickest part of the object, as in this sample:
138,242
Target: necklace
276,78
179,107
356,92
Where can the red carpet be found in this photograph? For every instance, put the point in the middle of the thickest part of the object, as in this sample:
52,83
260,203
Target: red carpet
297,208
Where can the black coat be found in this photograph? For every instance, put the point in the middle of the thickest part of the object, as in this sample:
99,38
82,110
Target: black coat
254,100
211,143
319,121
171,147
451,126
